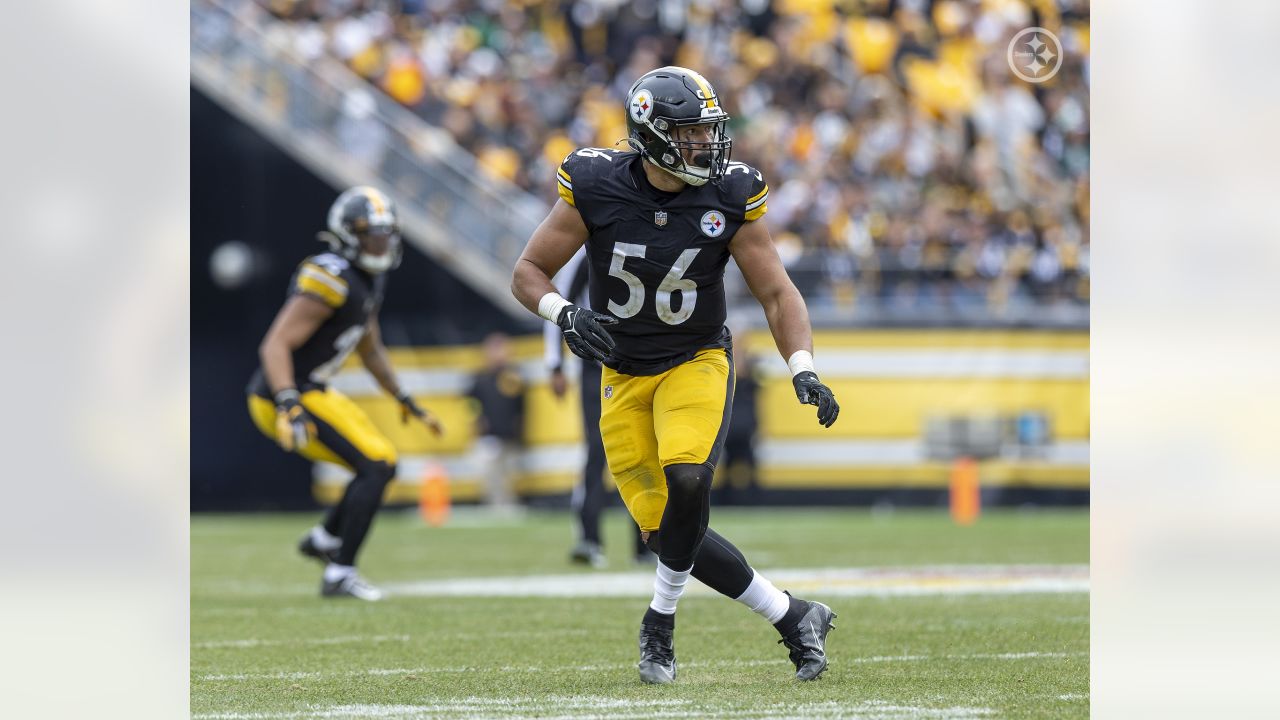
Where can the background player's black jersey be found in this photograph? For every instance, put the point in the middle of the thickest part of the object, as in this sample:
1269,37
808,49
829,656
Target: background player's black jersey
354,296
657,258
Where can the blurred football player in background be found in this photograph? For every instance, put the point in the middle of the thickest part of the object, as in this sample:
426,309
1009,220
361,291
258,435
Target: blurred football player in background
589,497
660,223
332,309
739,482
498,391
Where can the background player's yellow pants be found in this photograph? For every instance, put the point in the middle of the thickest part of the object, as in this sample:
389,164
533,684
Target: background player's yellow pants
342,416
648,422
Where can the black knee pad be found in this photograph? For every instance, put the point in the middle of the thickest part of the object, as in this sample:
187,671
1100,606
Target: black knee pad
653,543
686,482
371,479
384,472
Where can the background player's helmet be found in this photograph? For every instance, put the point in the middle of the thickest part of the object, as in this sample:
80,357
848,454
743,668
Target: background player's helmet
671,97
360,217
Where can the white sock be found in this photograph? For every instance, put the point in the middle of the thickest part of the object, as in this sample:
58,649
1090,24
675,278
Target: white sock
333,572
668,586
762,597
323,540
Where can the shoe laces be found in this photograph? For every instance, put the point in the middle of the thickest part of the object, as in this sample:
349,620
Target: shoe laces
655,643
795,642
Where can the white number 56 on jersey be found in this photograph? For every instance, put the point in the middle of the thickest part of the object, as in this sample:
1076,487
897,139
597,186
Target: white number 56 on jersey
673,282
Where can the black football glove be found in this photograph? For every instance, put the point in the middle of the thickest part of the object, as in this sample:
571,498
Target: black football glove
294,427
810,391
584,332
409,408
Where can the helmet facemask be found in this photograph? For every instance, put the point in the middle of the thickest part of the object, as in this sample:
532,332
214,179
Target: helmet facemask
363,228
379,248
694,160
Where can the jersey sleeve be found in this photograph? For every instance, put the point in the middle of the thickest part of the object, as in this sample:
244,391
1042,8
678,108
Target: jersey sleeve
564,181
580,173
745,193
757,202
321,280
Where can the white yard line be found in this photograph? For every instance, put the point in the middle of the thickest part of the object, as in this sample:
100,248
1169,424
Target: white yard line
605,667
338,640
840,582
580,708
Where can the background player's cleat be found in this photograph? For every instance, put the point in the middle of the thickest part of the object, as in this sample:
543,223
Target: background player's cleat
588,553
807,640
657,654
645,559
308,547
350,586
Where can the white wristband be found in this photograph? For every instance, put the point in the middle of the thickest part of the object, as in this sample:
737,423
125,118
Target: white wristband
551,304
800,361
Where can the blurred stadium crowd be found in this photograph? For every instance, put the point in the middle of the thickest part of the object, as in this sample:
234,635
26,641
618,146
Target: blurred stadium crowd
910,168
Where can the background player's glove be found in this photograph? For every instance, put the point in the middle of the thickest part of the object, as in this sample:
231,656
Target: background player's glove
294,427
584,332
409,408
810,391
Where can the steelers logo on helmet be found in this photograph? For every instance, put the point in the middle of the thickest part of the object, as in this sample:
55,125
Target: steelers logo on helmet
641,105
713,223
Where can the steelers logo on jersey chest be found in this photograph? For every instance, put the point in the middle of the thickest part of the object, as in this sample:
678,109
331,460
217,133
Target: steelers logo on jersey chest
712,223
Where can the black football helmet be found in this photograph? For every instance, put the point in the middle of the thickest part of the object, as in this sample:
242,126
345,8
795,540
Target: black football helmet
672,97
360,219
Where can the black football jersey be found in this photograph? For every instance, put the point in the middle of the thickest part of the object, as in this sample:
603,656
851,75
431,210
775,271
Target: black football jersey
657,258
354,296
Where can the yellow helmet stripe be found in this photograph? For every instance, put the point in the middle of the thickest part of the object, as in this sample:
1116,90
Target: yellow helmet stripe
375,198
707,93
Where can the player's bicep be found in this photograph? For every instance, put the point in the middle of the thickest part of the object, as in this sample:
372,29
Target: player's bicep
302,314
753,250
556,239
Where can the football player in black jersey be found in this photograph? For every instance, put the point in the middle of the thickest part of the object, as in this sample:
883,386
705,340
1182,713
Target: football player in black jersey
659,223
332,309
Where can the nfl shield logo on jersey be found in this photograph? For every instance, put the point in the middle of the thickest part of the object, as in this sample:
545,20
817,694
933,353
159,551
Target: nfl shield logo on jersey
660,218
608,391
713,223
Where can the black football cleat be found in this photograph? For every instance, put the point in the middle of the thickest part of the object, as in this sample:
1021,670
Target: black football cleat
807,640
657,654
307,547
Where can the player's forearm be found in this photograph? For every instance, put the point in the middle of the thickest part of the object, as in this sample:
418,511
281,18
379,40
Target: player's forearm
789,322
277,364
529,283
379,366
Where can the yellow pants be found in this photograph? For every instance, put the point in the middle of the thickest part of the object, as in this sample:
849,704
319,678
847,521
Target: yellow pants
648,422
346,436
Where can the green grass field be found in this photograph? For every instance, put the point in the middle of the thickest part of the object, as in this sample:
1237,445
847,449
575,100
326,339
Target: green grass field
911,645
